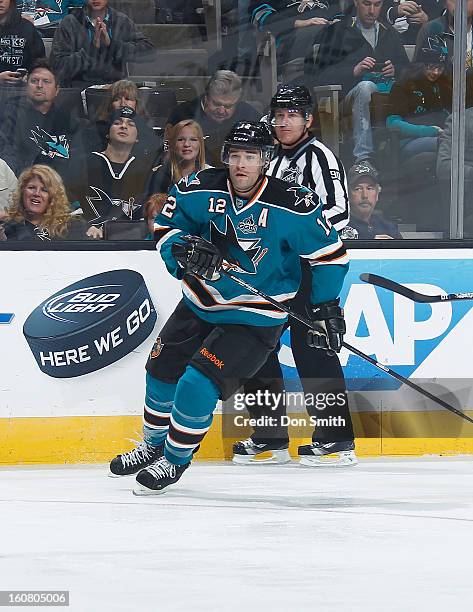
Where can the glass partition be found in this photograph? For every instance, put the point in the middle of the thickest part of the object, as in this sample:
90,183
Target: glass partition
106,104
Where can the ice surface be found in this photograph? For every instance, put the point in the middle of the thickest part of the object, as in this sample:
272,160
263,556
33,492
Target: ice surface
386,535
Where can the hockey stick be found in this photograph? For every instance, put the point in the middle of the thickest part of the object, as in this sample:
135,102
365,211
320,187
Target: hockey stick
306,321
386,283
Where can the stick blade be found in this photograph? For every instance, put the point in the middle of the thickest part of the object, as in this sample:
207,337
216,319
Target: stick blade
390,285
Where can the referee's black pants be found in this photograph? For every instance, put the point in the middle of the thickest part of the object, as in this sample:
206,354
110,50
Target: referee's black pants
321,376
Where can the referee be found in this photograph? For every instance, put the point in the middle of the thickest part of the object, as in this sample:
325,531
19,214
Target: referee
303,159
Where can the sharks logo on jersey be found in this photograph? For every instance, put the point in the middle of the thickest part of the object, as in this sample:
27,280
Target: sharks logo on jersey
51,146
309,5
246,252
305,198
291,174
101,204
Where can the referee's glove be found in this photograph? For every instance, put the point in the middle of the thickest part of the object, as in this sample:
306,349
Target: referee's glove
199,257
328,326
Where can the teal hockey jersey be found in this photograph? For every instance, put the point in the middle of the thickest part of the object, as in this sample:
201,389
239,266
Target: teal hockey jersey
280,223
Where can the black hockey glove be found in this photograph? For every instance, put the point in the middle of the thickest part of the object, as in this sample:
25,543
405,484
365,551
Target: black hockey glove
199,257
328,326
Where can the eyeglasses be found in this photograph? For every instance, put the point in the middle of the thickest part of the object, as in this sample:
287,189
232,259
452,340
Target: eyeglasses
219,104
433,67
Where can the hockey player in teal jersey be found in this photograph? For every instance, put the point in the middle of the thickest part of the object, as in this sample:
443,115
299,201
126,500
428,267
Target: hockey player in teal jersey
219,335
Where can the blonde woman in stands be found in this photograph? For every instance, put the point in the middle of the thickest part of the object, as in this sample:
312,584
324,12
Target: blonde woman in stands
186,155
40,209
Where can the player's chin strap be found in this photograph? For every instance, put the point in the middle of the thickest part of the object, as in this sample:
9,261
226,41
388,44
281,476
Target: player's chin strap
351,348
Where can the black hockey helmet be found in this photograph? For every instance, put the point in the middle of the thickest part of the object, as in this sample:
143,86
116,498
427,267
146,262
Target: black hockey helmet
293,98
249,135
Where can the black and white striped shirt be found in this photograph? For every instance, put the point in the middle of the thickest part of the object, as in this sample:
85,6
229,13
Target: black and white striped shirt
313,165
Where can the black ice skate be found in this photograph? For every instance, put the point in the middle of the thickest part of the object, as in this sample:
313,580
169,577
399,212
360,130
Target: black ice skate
248,452
158,476
135,460
328,454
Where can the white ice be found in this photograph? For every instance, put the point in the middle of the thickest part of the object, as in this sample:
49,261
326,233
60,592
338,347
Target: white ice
386,535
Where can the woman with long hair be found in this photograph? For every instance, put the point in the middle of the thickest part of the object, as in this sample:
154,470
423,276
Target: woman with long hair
186,155
421,101
122,93
40,208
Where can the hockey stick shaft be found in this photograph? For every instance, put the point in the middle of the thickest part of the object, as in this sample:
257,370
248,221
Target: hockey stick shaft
306,321
415,296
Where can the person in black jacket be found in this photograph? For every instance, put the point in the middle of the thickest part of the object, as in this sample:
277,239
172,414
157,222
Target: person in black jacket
421,101
295,24
34,130
365,222
20,43
109,185
94,45
364,56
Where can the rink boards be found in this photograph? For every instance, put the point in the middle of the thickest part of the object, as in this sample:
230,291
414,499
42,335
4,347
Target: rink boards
71,390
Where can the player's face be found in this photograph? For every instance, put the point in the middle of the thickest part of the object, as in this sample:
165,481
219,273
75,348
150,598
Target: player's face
187,144
123,131
41,86
121,101
363,199
245,168
368,11
220,108
290,126
35,198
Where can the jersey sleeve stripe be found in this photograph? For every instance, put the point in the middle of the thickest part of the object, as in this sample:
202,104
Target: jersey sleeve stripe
336,206
162,234
338,257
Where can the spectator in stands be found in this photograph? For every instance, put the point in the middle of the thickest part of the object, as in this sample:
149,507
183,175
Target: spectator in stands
216,112
186,155
93,46
444,163
20,44
153,206
34,130
443,27
364,56
50,12
40,209
366,222
296,25
8,184
110,184
407,16
125,93
421,101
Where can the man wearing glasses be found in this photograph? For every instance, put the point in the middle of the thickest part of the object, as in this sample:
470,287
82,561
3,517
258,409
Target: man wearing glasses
216,111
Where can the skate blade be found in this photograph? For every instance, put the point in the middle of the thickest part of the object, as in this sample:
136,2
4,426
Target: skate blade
269,457
140,490
112,475
344,459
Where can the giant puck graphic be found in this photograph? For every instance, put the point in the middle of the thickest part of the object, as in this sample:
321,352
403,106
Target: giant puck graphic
90,324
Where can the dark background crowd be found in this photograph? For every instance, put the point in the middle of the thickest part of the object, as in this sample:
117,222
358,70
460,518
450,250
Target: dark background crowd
104,105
